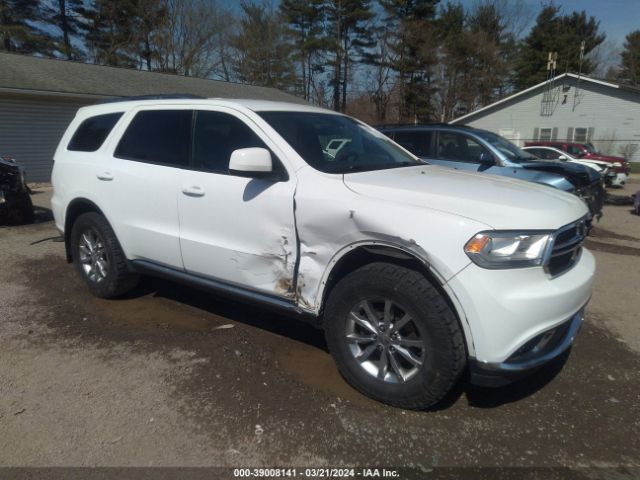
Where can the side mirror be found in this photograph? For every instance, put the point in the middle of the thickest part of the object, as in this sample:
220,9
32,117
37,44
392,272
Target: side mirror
251,162
562,157
486,159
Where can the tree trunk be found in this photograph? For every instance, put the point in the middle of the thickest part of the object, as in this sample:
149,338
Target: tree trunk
345,72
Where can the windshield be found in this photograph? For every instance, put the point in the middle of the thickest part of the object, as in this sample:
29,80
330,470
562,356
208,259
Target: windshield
512,152
591,149
360,148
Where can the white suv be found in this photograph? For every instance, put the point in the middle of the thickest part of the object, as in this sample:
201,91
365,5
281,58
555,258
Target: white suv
417,273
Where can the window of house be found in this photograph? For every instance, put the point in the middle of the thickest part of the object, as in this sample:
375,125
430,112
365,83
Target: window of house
158,136
92,132
580,135
545,134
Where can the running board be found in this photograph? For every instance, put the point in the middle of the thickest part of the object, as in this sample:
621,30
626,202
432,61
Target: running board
223,288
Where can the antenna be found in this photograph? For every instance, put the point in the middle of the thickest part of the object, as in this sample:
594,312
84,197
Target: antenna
576,93
549,95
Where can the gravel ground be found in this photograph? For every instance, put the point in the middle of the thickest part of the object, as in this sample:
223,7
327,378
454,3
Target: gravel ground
173,377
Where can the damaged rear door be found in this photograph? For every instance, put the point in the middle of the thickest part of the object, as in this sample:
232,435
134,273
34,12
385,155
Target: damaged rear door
236,229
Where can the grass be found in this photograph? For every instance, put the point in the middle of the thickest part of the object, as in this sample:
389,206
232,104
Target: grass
635,167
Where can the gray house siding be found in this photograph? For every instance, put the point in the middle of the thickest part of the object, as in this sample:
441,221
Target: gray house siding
611,116
30,129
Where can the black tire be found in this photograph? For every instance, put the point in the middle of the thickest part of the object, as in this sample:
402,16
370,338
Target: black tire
119,279
437,329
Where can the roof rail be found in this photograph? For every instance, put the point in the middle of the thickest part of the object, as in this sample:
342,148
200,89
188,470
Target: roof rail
419,125
169,96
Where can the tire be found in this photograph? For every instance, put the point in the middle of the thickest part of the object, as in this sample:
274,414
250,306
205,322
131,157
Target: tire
432,336
106,271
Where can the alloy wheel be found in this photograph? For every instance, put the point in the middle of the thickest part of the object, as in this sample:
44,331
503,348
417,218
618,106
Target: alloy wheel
93,256
385,340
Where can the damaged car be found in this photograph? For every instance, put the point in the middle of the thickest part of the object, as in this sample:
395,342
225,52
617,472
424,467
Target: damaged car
15,201
477,150
416,273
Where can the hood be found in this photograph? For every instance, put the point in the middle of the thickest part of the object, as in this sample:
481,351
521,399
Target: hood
578,175
499,202
604,158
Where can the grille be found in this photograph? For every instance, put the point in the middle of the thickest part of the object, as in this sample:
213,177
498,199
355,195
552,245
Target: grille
567,246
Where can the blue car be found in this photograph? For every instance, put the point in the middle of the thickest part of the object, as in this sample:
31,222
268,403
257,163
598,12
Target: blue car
477,150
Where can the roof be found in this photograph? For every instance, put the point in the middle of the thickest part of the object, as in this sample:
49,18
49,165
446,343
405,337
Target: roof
582,78
26,74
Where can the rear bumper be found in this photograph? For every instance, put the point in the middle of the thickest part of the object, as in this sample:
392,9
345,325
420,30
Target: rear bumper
534,354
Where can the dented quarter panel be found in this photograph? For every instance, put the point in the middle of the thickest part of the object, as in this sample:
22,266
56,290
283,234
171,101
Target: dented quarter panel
333,220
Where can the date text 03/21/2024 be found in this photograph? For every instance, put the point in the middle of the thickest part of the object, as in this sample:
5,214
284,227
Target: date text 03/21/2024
315,473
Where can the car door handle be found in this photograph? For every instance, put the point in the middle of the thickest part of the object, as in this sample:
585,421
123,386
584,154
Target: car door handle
105,176
193,191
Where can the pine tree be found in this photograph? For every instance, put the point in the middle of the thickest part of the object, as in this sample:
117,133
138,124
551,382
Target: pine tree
348,35
630,56
554,32
110,32
18,32
306,33
68,17
263,54
414,48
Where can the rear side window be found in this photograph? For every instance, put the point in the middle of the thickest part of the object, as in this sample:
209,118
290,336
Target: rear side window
418,143
157,136
92,132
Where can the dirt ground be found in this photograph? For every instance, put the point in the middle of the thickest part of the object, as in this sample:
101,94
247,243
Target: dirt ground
173,377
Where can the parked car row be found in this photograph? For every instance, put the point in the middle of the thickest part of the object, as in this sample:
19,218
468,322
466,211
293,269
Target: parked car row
587,152
416,273
477,150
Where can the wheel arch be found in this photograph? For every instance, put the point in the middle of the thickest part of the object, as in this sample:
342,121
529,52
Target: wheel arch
360,254
76,207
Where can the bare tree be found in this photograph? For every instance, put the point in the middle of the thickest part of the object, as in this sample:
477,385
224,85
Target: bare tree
195,38
382,78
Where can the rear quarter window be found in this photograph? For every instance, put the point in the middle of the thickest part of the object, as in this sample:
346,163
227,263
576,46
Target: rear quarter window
92,132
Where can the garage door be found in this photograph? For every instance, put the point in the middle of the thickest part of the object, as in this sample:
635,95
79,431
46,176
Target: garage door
30,129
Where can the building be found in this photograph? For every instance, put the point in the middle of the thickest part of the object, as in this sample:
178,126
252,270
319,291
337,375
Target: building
39,97
571,108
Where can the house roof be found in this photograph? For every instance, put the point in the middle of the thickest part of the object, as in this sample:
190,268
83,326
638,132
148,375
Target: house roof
27,74
606,83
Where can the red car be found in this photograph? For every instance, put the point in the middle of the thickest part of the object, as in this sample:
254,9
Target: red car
586,151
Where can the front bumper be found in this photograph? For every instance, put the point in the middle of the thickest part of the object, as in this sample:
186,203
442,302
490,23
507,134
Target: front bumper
593,196
619,180
537,352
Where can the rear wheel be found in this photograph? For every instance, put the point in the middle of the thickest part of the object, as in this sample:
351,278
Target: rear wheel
393,336
99,258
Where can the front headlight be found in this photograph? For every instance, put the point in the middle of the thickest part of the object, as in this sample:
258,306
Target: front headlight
508,249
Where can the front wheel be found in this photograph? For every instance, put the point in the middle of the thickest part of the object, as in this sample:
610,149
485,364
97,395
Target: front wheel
99,258
393,336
